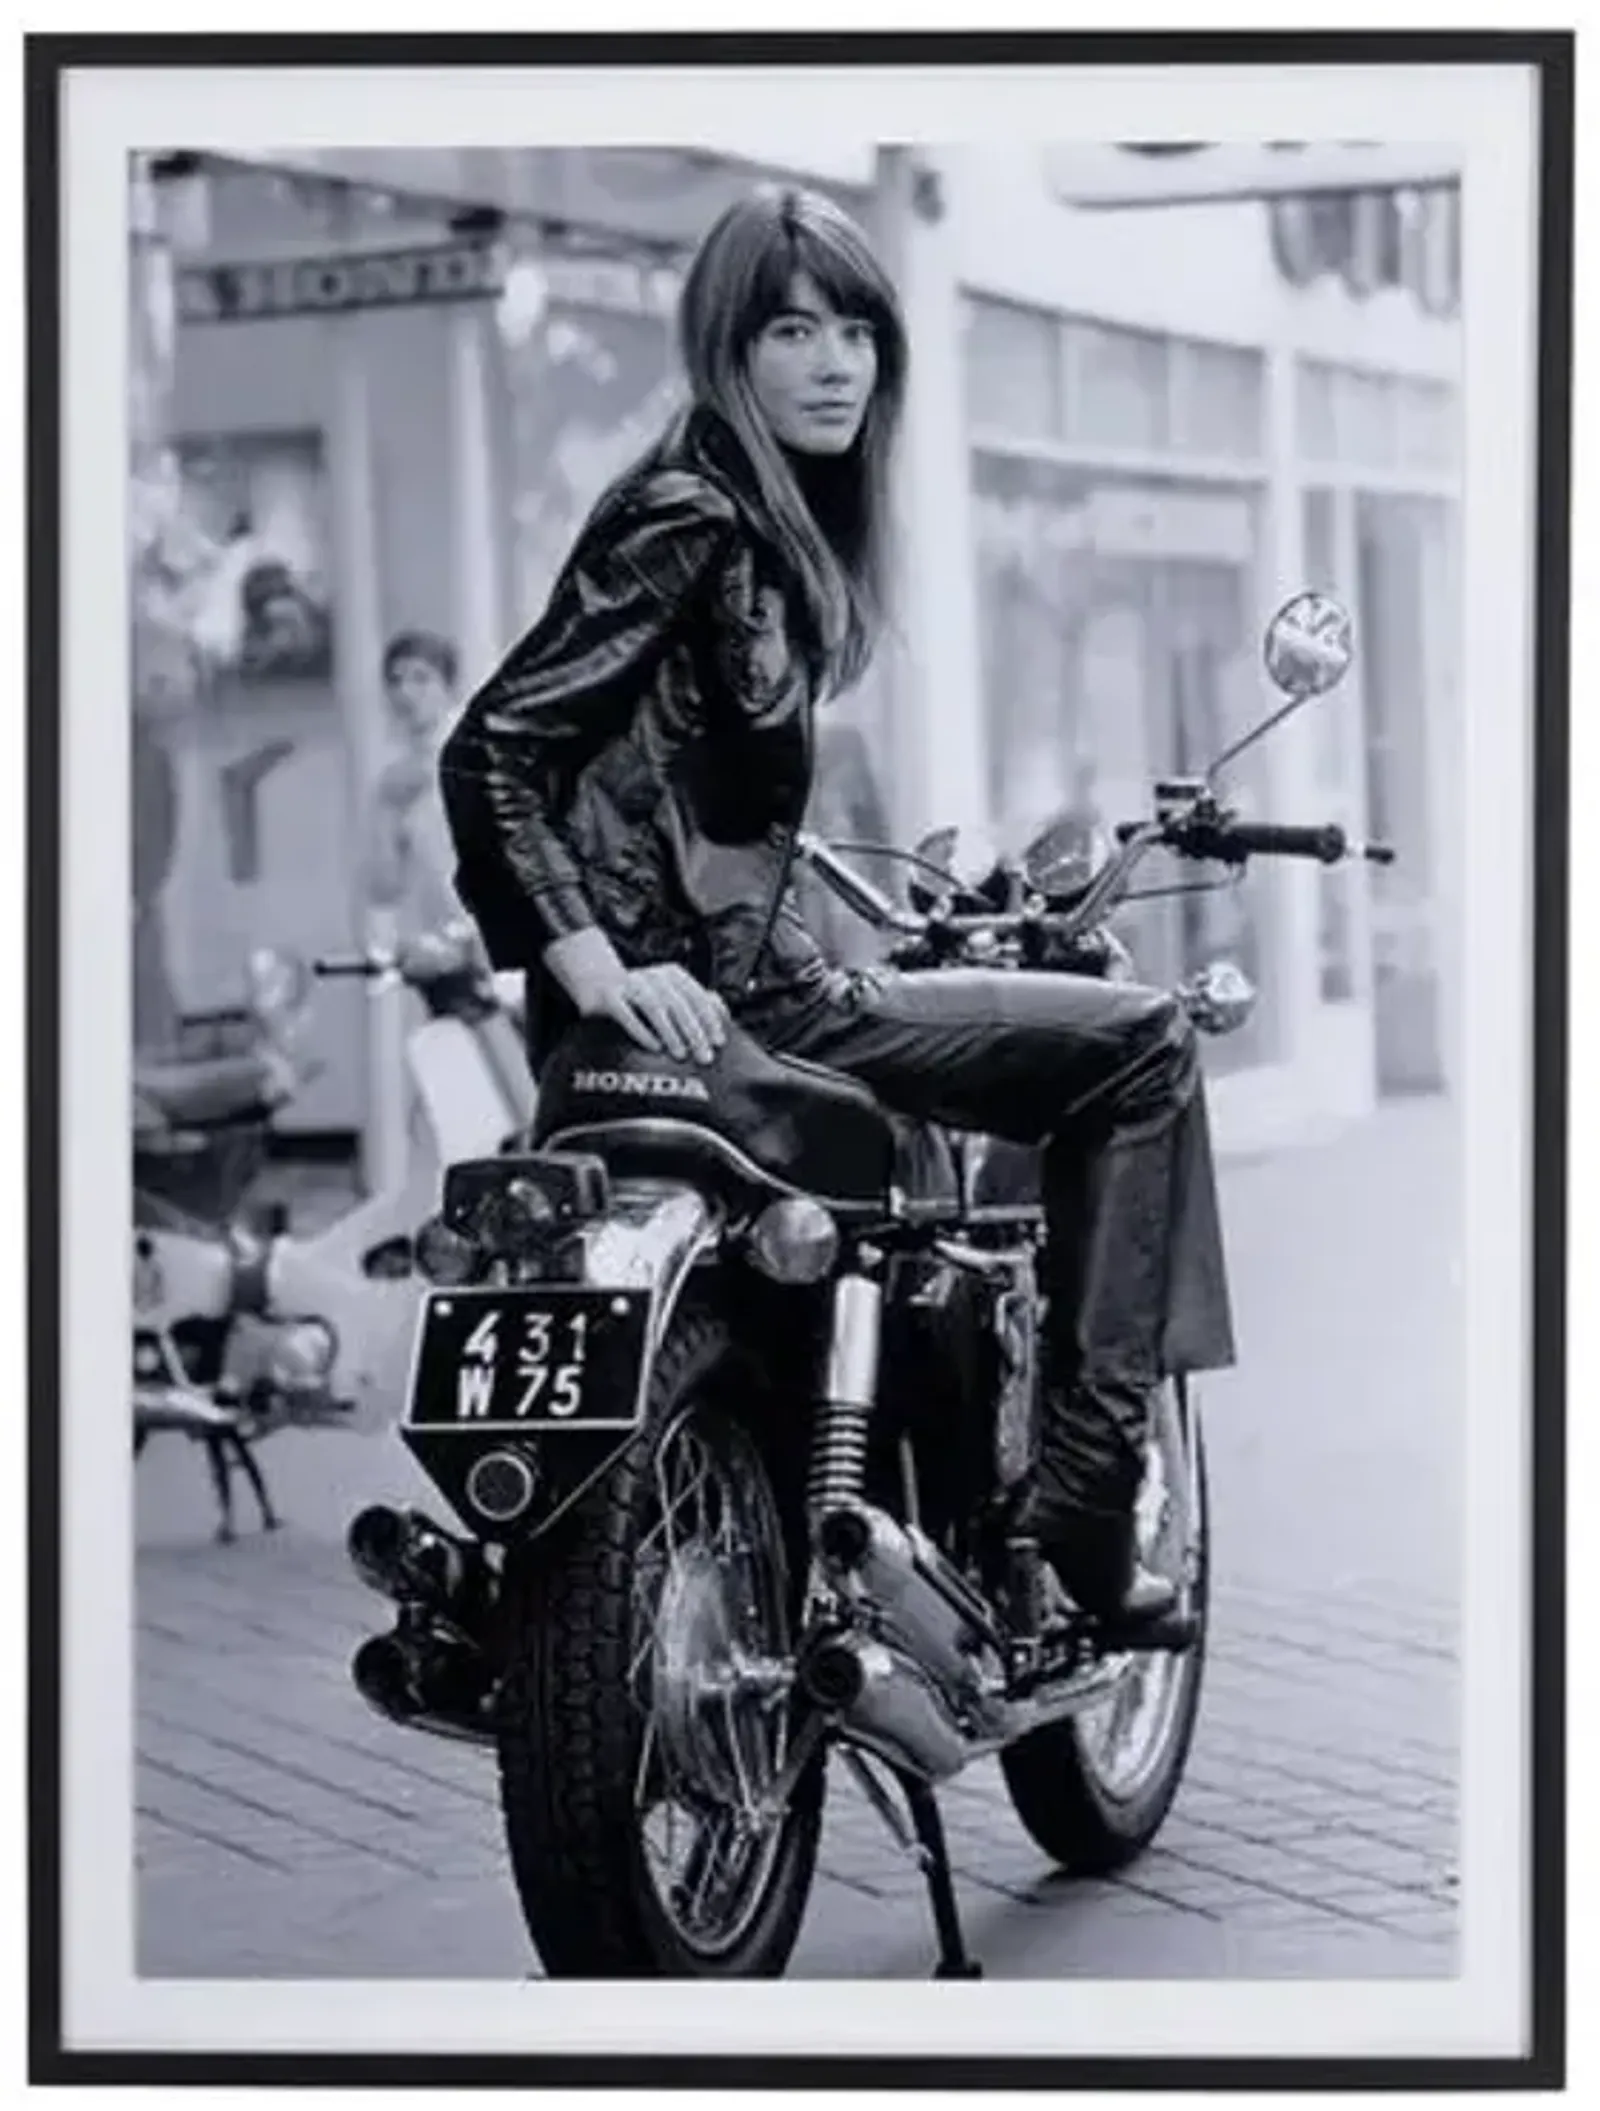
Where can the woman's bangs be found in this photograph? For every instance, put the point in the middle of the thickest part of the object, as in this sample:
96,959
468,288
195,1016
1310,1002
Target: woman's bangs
771,280
849,287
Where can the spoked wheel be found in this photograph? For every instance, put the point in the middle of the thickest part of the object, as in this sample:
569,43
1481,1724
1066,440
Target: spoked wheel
1095,1789
661,1818
710,1681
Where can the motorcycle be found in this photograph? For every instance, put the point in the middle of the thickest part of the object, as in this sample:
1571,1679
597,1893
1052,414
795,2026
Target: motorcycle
731,1378
241,1327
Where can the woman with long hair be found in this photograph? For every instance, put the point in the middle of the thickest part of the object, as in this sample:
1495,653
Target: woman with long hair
624,791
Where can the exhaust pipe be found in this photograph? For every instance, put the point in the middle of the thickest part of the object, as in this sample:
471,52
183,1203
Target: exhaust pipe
886,1703
407,1559
931,1610
916,1691
425,1683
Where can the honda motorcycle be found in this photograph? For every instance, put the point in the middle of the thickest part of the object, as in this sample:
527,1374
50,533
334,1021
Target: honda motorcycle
242,1326
731,1377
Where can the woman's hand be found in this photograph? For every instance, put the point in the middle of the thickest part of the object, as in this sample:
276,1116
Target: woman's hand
663,1008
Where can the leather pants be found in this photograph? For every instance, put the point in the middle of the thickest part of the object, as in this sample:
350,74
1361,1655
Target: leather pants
1105,1077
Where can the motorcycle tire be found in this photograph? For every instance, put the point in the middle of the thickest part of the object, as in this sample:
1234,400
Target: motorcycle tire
572,1735
1070,1799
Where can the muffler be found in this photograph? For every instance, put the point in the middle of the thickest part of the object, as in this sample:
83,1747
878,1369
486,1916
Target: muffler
410,1561
426,1681
432,1672
917,1689
929,1609
884,1701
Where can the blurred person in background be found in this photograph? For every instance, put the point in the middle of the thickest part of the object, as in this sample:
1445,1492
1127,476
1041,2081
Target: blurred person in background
623,792
409,853
410,858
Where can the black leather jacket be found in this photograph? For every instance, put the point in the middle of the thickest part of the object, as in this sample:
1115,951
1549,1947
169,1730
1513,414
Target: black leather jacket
642,757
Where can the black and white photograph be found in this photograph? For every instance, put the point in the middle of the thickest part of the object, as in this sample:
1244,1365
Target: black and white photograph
837,784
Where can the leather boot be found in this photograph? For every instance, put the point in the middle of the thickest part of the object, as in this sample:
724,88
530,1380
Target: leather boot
1080,1509
1109,1274
1094,1558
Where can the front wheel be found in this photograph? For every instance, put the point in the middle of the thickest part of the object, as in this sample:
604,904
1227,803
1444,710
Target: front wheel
648,1706
1095,1789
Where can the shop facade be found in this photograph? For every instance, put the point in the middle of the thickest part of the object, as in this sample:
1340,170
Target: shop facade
1166,434
1122,449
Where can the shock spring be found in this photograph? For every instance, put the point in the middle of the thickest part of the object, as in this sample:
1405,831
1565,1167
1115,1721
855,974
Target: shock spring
844,1413
838,1455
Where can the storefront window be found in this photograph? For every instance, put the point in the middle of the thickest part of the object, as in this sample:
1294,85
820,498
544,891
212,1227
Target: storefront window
1364,420
1218,399
1314,411
1428,432
1013,370
1115,386
1367,418
1033,375
588,377
1119,622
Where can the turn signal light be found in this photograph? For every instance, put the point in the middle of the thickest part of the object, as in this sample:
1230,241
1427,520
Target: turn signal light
794,1241
302,1355
445,1255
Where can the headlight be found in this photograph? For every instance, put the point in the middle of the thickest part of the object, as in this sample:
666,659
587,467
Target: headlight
302,1355
794,1241
1220,997
279,986
445,1255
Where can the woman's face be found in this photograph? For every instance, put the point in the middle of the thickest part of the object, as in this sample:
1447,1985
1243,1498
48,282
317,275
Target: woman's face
813,372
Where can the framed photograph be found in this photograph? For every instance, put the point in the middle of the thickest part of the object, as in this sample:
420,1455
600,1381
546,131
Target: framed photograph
927,1340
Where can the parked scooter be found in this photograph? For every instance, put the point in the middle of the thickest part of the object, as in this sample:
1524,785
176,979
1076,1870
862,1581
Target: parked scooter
242,1326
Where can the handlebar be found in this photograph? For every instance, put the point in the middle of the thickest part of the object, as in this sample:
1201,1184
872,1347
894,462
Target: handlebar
1227,841
363,967
1199,829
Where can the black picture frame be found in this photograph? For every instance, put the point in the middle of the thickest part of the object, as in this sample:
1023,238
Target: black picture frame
48,60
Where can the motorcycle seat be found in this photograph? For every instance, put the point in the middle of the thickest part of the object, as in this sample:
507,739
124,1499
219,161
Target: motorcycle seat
747,1121
201,1092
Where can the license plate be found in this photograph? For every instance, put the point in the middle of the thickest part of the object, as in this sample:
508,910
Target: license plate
540,1358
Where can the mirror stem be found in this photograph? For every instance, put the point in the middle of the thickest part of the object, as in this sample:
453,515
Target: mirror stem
1256,733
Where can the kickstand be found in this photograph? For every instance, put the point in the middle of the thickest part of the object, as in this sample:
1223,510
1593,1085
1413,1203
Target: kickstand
954,1962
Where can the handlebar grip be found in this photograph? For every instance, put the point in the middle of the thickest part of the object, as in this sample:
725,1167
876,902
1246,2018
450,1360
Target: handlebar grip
360,968
1276,839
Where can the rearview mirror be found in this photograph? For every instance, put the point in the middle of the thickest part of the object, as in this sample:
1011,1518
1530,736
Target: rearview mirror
971,866
939,848
965,854
1307,647
278,985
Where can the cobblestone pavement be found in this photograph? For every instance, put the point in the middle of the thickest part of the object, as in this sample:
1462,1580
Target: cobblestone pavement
283,1831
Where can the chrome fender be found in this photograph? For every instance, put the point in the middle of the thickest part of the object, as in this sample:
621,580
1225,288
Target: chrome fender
652,1237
